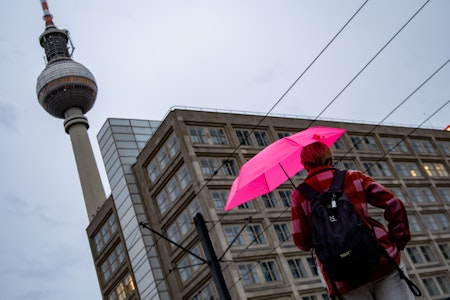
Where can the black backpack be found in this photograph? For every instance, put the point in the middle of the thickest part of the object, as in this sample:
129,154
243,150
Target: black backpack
346,247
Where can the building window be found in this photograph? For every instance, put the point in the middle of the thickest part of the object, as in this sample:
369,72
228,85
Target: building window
435,169
183,223
210,166
173,233
206,293
217,136
422,146
422,195
283,134
312,266
229,167
244,137
407,169
444,147
106,232
437,285
297,268
269,200
285,196
394,145
435,222
302,267
421,254
269,271
261,138
248,274
283,232
162,158
183,177
220,198
207,135
255,234
172,190
123,290
276,199
256,273
198,135
246,205
163,201
366,143
444,194
233,235
113,261
414,225
252,234
377,169
250,138
445,250
152,170
339,145
172,145
345,164
189,264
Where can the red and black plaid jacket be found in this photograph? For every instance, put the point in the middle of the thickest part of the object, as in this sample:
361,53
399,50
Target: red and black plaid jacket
360,189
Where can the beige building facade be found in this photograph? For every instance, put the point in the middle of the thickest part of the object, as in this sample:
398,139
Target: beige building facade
164,173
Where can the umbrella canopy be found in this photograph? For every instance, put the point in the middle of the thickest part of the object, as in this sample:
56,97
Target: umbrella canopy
276,163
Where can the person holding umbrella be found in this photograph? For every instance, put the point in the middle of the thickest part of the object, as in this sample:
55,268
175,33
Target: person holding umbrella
382,282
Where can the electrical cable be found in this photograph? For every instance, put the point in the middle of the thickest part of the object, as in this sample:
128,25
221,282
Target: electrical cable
398,106
368,63
351,81
348,84
408,135
283,95
290,88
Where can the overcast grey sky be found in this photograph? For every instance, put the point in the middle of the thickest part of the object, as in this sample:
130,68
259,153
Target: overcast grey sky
147,56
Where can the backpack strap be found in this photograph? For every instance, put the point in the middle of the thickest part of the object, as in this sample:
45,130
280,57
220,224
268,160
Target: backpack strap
307,191
336,186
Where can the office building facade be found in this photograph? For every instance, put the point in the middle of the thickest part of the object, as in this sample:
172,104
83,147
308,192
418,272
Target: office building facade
163,173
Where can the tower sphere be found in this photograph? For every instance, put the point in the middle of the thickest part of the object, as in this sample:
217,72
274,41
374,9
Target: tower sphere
64,84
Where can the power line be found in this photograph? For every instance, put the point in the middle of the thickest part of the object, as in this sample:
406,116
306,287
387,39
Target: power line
314,60
369,62
409,134
283,95
294,83
398,106
348,84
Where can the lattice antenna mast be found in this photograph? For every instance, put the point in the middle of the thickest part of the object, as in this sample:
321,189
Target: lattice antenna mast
55,41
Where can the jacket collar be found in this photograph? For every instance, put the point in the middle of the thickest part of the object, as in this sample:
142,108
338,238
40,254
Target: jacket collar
319,169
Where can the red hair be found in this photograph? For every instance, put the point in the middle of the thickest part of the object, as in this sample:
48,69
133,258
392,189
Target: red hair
315,155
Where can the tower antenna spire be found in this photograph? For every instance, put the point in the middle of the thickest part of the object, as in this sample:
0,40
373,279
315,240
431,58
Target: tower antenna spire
48,18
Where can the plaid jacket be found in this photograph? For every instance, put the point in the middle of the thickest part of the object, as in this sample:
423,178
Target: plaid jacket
359,188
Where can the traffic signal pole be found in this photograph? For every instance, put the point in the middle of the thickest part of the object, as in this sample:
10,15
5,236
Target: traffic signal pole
211,258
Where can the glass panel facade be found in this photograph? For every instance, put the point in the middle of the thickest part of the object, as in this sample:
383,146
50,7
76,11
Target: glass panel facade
118,140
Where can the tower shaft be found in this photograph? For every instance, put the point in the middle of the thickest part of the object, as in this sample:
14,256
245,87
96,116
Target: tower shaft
76,125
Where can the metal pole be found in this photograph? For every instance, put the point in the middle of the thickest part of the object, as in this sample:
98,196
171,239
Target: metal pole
211,257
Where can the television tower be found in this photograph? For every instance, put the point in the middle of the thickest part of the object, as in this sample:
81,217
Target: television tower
67,90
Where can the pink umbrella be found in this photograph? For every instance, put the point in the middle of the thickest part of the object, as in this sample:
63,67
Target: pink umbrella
275,164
